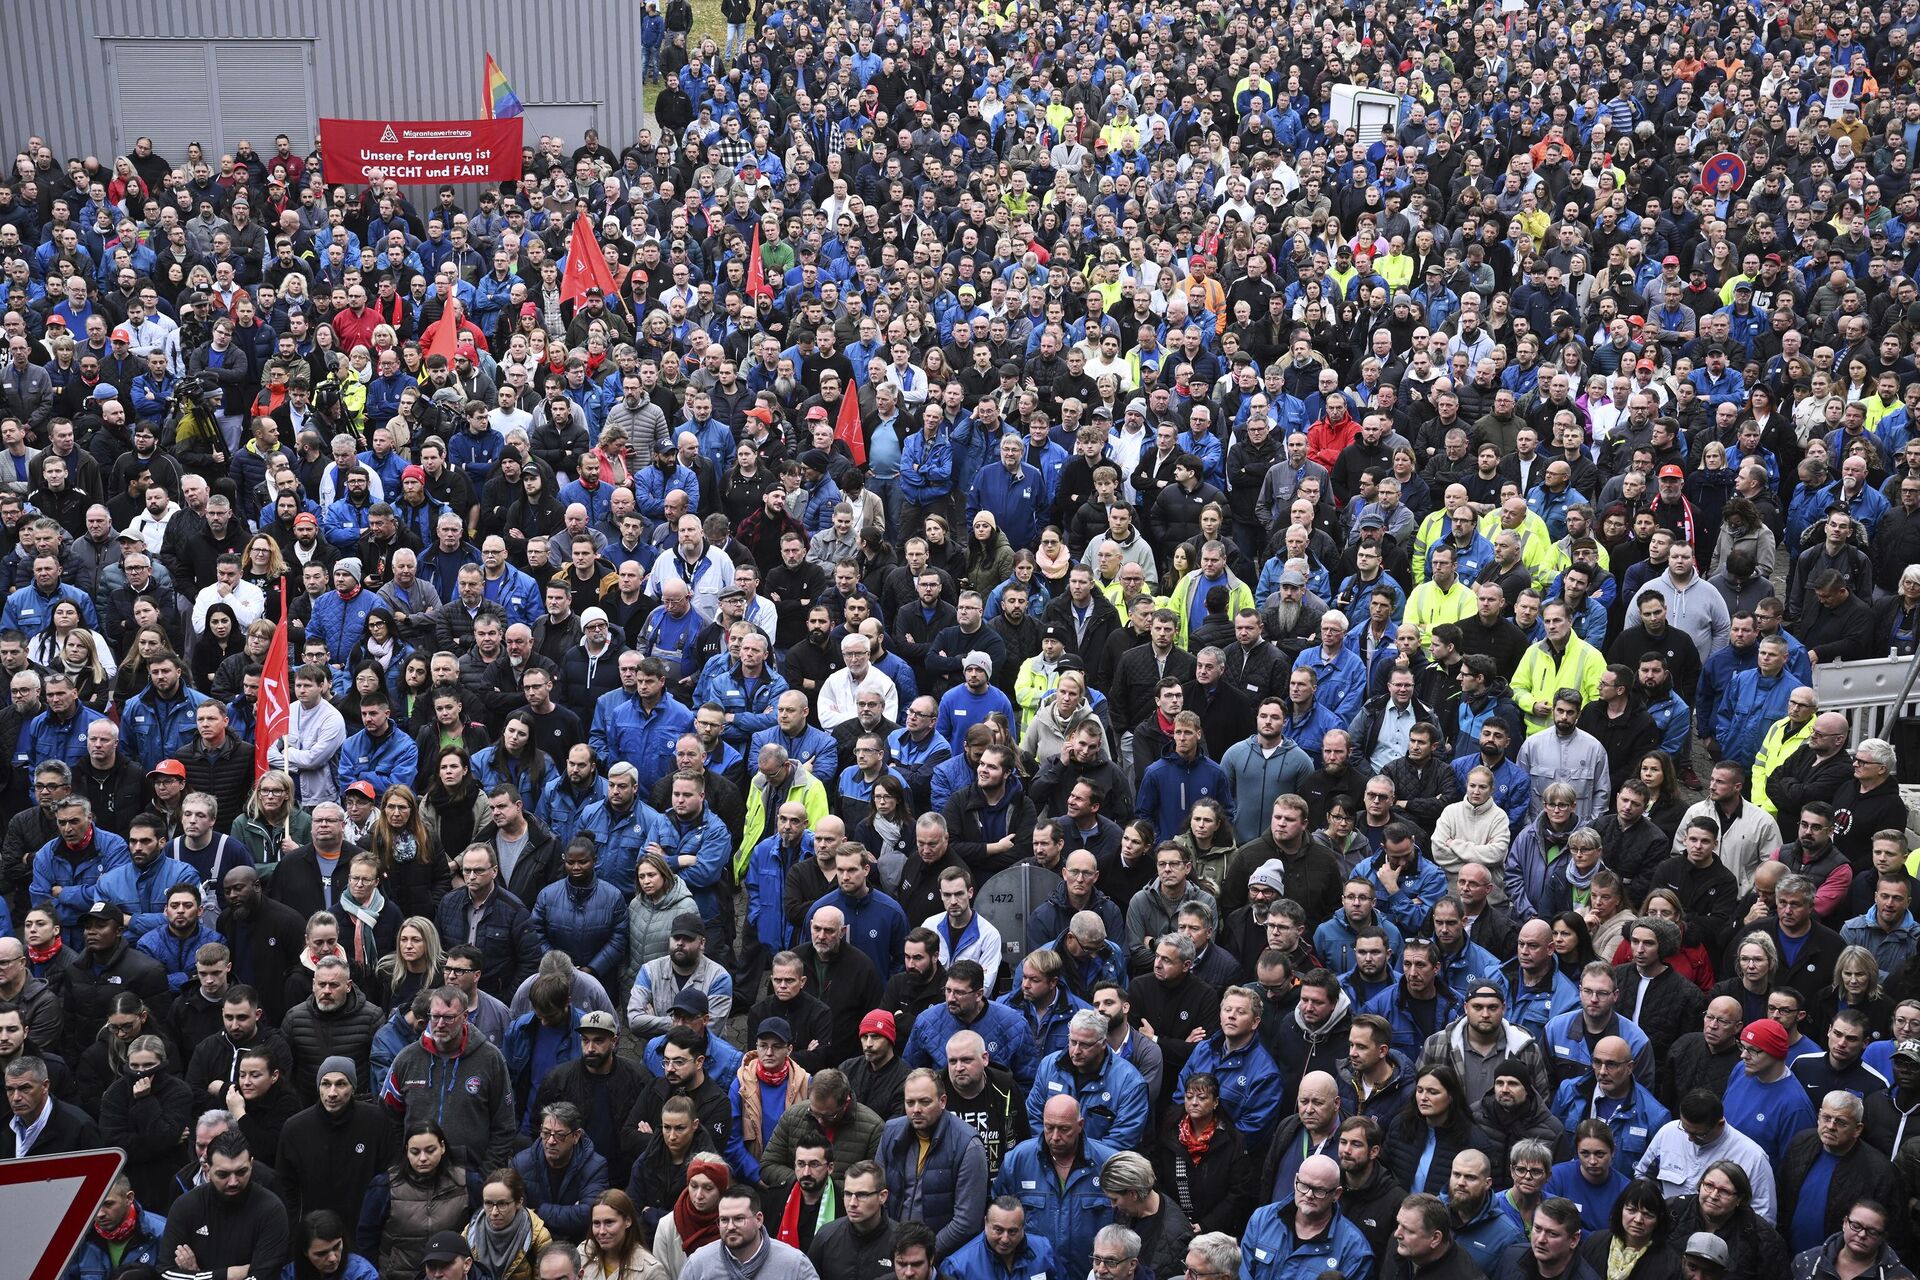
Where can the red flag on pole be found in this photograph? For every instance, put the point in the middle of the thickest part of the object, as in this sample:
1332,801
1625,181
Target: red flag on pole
586,265
275,708
847,429
756,275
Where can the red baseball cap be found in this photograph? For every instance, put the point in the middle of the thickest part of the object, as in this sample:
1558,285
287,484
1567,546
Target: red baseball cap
1671,472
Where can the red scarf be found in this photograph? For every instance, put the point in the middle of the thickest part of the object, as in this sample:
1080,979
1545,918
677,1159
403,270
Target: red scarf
40,955
694,1227
769,1078
123,1230
1197,1143
1165,724
348,595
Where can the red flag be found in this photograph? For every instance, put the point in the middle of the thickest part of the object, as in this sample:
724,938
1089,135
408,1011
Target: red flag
847,430
756,276
274,707
445,339
586,265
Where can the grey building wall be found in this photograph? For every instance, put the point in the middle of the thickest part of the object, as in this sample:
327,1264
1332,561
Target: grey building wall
90,76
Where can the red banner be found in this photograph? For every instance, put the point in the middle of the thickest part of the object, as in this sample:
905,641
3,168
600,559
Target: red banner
414,152
274,707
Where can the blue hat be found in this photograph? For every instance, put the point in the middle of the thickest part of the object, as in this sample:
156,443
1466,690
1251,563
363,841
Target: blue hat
106,391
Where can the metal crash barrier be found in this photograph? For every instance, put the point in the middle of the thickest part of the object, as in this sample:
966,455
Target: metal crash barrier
1874,694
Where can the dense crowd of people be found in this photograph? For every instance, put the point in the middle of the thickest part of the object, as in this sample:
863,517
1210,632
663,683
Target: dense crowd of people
1157,688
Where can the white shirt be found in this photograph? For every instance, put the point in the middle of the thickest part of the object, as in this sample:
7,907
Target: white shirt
839,692
1681,1162
764,614
153,529
245,599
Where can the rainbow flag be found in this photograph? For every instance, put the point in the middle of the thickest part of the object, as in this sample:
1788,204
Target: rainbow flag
502,102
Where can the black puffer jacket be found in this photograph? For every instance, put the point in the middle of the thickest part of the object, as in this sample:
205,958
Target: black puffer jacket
315,1034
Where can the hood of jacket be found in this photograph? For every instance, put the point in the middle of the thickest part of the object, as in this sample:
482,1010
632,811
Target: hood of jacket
1341,1008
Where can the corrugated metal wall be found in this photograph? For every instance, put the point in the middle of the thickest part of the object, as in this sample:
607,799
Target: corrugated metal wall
406,60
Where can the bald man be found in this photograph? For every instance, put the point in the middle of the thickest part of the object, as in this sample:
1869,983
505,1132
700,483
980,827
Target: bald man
1788,774
1279,1228
1057,1177
1312,1129
1613,1095
1479,1227
1704,1059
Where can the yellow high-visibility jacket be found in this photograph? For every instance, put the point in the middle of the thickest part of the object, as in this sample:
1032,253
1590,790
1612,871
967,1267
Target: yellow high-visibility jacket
1782,739
1540,676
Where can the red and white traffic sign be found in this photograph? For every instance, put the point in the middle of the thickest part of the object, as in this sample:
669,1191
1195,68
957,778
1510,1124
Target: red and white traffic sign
47,1203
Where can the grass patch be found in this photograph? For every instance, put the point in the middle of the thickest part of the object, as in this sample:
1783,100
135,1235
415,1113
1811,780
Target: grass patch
706,22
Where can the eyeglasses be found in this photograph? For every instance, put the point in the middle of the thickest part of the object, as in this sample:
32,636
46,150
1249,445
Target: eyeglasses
461,972
1308,1189
556,1135
1862,1229
1109,1264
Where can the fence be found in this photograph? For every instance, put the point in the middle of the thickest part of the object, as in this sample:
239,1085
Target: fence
1865,693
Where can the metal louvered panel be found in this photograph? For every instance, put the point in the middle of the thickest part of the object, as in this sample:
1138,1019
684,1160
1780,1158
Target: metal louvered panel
263,88
88,104
161,90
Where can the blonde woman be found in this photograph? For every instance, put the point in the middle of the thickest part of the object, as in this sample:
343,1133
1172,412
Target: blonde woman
1061,713
1472,829
414,964
1856,986
84,659
272,825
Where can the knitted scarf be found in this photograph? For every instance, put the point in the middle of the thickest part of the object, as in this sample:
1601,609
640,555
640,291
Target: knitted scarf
1581,880
694,1227
364,918
497,1251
